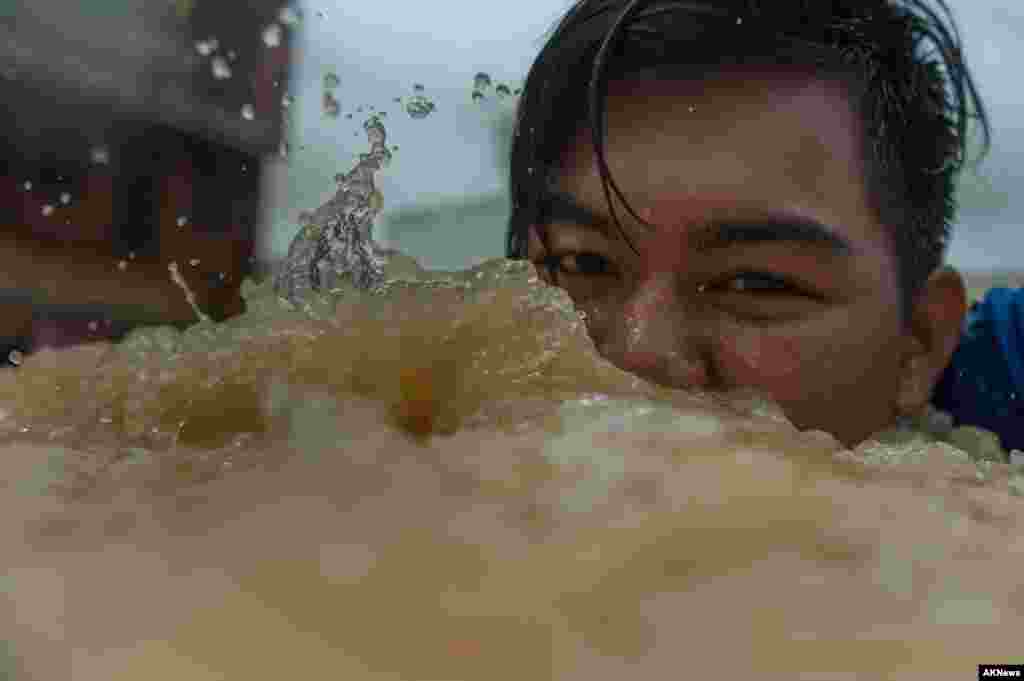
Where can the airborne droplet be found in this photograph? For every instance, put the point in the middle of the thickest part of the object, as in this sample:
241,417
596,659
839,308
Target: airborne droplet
65,198
100,155
482,81
417,87
289,16
207,47
248,113
272,35
419,106
331,106
220,68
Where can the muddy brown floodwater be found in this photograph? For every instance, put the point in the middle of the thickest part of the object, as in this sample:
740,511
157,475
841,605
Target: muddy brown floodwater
442,481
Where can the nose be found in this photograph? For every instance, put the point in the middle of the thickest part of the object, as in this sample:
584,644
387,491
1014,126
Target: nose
654,337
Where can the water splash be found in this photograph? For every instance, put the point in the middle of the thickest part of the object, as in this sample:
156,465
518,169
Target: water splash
189,295
335,242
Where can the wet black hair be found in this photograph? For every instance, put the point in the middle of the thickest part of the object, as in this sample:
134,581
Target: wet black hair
901,63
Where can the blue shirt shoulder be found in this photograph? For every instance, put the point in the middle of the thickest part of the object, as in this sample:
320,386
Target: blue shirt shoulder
984,383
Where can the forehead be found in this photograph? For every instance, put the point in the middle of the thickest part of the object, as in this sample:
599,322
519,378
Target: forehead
765,138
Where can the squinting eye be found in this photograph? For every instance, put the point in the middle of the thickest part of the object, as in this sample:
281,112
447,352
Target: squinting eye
580,264
742,282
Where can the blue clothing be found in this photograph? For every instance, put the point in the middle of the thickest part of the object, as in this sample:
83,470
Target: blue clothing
984,383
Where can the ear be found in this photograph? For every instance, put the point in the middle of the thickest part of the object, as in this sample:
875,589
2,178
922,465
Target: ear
936,326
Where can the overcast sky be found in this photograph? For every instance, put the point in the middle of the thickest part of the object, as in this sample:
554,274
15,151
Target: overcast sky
380,49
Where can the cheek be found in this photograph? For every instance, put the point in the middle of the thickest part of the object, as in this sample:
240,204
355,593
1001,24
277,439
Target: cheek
771,363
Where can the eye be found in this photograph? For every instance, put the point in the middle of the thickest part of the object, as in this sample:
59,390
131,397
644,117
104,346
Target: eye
583,264
758,283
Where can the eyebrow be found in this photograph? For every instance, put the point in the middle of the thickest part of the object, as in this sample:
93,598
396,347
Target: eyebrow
715,234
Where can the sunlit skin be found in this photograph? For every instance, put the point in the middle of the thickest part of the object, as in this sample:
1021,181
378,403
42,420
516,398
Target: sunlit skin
814,326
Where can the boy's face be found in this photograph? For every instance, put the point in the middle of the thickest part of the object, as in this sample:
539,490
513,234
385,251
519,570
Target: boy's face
800,293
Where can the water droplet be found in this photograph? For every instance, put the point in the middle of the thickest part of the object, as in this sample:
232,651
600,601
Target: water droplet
502,90
418,87
220,68
15,357
100,155
398,100
287,100
193,262
320,14
94,325
691,109
331,106
331,80
47,209
248,113
206,47
419,106
482,81
65,198
232,55
394,147
27,185
131,255
122,265
739,20
182,221
289,16
272,35
348,116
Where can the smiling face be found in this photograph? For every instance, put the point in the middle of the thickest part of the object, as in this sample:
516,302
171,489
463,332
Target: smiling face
765,266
